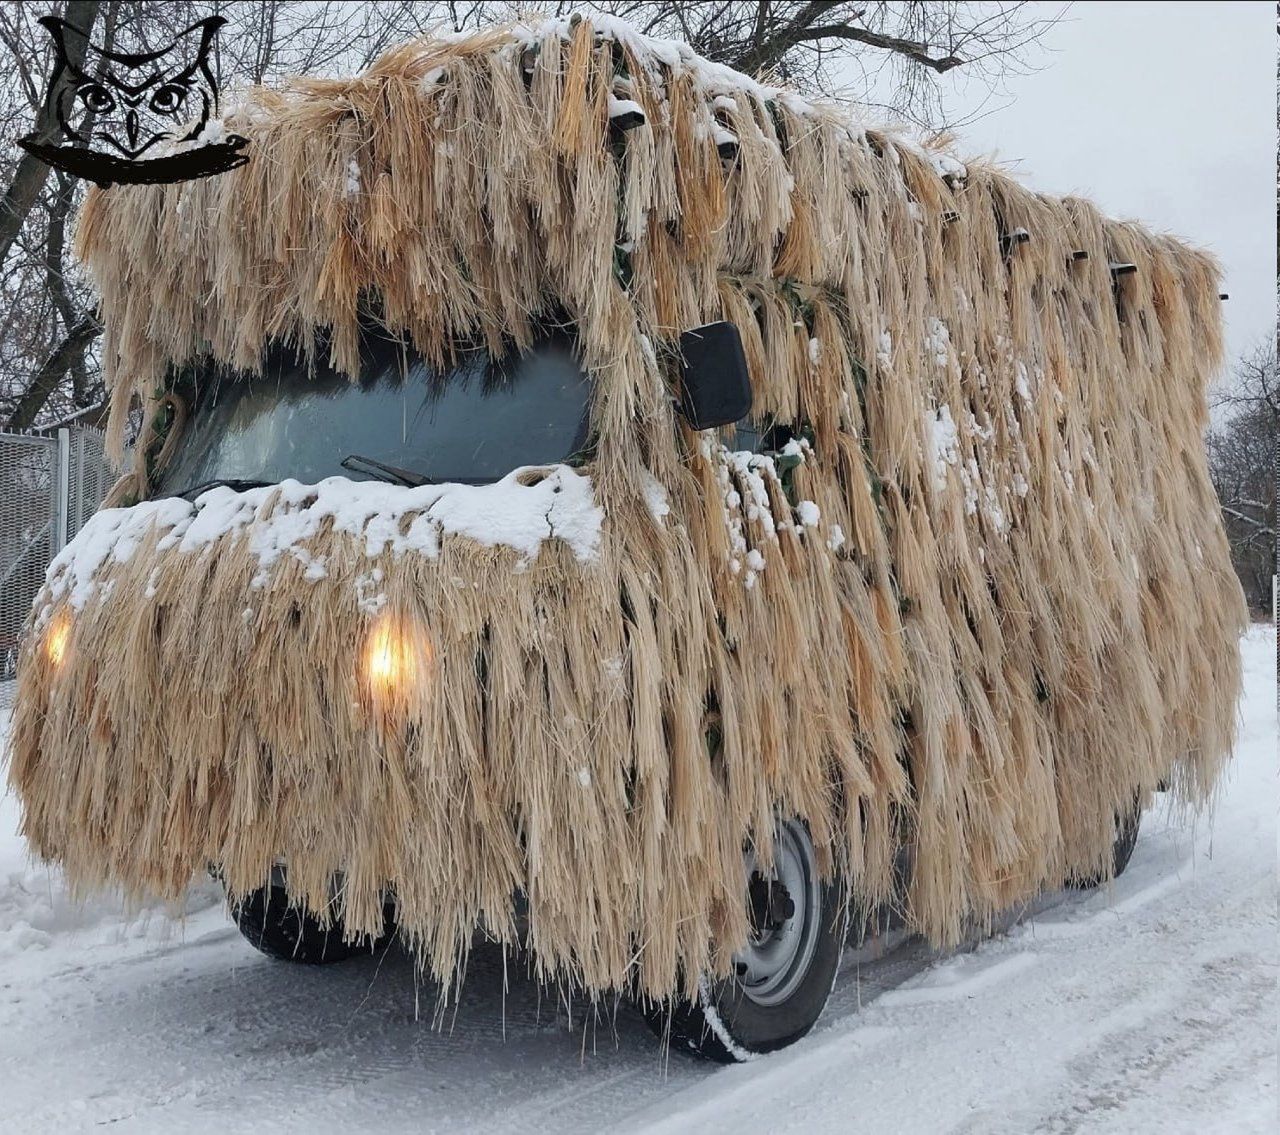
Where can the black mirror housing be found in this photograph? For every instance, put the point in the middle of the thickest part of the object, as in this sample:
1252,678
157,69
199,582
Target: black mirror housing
715,389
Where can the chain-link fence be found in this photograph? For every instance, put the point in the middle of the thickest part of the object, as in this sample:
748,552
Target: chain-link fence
50,484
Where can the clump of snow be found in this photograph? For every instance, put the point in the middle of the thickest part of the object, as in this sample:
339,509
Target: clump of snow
984,432
370,597
751,469
213,132
941,428
937,341
314,565
722,137
992,510
796,104
796,447
755,565
808,514
815,351
277,519
1020,380
947,166
884,348
655,496
620,108
353,178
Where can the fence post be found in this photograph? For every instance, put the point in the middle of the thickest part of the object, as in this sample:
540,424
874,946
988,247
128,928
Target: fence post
75,492
62,490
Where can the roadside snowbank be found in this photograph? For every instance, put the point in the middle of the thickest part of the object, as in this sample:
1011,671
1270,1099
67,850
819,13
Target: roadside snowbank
43,927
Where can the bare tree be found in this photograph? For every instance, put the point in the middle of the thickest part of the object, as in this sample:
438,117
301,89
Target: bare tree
888,53
48,332
30,174
1244,464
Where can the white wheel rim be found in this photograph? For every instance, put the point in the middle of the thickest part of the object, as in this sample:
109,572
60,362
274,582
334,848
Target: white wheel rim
776,959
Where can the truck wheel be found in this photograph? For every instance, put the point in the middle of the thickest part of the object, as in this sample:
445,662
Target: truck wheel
783,975
290,934
1121,850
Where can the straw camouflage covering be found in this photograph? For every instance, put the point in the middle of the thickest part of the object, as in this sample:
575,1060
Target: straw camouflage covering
982,603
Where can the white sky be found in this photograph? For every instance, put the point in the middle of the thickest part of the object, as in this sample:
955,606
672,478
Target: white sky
1162,112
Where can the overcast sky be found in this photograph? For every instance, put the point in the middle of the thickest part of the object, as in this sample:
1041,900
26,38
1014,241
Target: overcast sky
1161,112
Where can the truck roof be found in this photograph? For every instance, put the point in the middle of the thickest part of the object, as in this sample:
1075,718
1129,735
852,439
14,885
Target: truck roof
469,180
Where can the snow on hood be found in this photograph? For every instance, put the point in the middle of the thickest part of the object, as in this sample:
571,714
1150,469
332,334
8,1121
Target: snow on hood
529,505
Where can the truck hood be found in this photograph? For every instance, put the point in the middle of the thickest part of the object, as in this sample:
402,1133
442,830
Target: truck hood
432,693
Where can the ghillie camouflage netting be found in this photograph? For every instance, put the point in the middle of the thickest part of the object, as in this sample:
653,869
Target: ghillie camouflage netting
982,599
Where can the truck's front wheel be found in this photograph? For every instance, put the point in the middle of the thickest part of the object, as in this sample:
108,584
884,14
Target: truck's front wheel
785,972
1126,838
291,934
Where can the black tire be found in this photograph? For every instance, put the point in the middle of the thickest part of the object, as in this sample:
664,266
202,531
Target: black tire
1126,840
290,934
739,1017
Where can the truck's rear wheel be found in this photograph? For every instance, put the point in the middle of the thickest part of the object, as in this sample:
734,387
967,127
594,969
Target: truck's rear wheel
291,934
784,973
1126,840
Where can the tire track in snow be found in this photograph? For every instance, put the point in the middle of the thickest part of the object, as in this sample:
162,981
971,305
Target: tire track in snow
1190,1048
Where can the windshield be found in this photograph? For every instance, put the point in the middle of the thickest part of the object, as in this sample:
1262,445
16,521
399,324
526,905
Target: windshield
473,421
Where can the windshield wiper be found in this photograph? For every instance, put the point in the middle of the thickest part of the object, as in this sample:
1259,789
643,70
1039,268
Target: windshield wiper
392,474
235,484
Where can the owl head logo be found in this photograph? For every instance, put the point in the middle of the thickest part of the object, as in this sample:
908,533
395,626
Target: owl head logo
138,118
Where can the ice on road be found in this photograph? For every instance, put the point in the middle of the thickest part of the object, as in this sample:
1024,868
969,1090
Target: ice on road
1149,1006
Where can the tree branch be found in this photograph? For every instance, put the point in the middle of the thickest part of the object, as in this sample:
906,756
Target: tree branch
917,52
65,356
31,173
767,50
1262,528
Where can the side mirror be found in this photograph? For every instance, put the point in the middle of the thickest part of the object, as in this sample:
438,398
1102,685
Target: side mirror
714,387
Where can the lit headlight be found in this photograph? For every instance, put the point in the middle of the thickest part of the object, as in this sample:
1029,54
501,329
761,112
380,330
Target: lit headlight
397,656
55,638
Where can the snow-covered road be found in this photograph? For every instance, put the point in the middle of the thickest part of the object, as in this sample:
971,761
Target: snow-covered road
1148,1007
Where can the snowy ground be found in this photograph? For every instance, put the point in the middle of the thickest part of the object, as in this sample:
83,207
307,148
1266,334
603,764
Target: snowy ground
1151,1007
